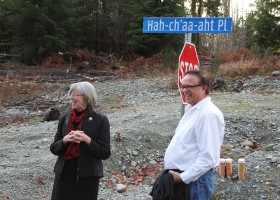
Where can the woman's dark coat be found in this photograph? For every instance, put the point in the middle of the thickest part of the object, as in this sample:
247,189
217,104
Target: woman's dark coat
97,127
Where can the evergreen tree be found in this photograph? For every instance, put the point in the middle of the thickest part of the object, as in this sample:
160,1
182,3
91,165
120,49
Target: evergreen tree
149,44
263,25
212,8
38,28
5,30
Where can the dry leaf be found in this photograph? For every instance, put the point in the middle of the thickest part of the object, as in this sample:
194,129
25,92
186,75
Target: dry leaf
118,136
109,182
41,180
138,179
42,195
256,145
148,171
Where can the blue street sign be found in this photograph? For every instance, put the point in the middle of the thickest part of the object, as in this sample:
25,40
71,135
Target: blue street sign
187,25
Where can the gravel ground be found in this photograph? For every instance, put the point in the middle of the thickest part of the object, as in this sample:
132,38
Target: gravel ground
145,113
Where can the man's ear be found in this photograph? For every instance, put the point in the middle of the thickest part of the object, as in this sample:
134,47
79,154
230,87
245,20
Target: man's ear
204,87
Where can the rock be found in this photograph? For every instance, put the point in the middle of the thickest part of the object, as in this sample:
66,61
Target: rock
153,162
217,82
274,160
237,85
133,163
135,153
269,157
82,67
52,114
121,188
13,111
275,73
247,143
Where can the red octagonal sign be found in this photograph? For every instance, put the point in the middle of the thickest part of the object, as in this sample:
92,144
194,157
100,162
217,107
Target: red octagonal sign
188,60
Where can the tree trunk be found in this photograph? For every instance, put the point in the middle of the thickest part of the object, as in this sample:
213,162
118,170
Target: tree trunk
193,8
226,6
199,11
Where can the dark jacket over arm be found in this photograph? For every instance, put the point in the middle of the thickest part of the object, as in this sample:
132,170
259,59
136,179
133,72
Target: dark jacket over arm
165,189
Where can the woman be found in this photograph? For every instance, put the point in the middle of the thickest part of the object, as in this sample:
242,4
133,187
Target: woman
81,142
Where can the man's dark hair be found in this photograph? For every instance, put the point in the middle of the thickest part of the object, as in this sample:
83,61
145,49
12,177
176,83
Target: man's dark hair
204,80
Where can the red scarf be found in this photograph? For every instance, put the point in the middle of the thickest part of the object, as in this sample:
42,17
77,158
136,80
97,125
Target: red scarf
73,148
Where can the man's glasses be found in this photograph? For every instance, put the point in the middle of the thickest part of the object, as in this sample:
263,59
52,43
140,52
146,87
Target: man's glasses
188,86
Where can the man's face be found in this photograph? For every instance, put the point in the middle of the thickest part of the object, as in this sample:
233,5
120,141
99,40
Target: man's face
192,89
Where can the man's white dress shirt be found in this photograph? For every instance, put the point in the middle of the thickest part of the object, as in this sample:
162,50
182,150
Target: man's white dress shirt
195,146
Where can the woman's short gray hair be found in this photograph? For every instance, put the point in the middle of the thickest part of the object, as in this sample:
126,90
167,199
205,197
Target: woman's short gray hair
87,89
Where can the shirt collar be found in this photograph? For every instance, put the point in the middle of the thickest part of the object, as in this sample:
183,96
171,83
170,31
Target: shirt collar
201,103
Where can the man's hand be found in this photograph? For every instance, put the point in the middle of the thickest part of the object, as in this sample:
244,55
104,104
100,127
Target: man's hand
176,176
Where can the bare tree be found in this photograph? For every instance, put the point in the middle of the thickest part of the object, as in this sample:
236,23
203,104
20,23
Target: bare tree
225,8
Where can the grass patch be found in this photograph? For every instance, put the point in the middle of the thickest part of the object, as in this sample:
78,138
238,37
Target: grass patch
238,108
113,99
225,108
216,196
35,119
243,107
240,155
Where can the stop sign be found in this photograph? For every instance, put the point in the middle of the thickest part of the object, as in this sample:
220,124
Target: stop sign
188,60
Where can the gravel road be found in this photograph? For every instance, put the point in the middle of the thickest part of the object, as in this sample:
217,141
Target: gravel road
145,112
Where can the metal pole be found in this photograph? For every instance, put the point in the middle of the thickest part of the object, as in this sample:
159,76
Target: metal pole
188,38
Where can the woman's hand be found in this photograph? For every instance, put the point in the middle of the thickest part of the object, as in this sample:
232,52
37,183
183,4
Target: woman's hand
77,137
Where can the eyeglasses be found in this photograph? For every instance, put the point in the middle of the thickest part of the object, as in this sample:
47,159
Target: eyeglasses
188,86
76,95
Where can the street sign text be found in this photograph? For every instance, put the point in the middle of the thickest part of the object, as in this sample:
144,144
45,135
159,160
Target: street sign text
187,25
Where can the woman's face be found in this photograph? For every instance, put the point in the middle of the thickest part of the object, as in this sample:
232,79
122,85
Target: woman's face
78,100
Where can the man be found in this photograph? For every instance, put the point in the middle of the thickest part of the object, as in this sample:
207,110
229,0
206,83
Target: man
195,146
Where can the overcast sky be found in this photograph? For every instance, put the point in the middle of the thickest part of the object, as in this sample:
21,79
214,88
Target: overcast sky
242,4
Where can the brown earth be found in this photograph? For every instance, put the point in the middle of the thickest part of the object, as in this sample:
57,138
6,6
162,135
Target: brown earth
25,91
